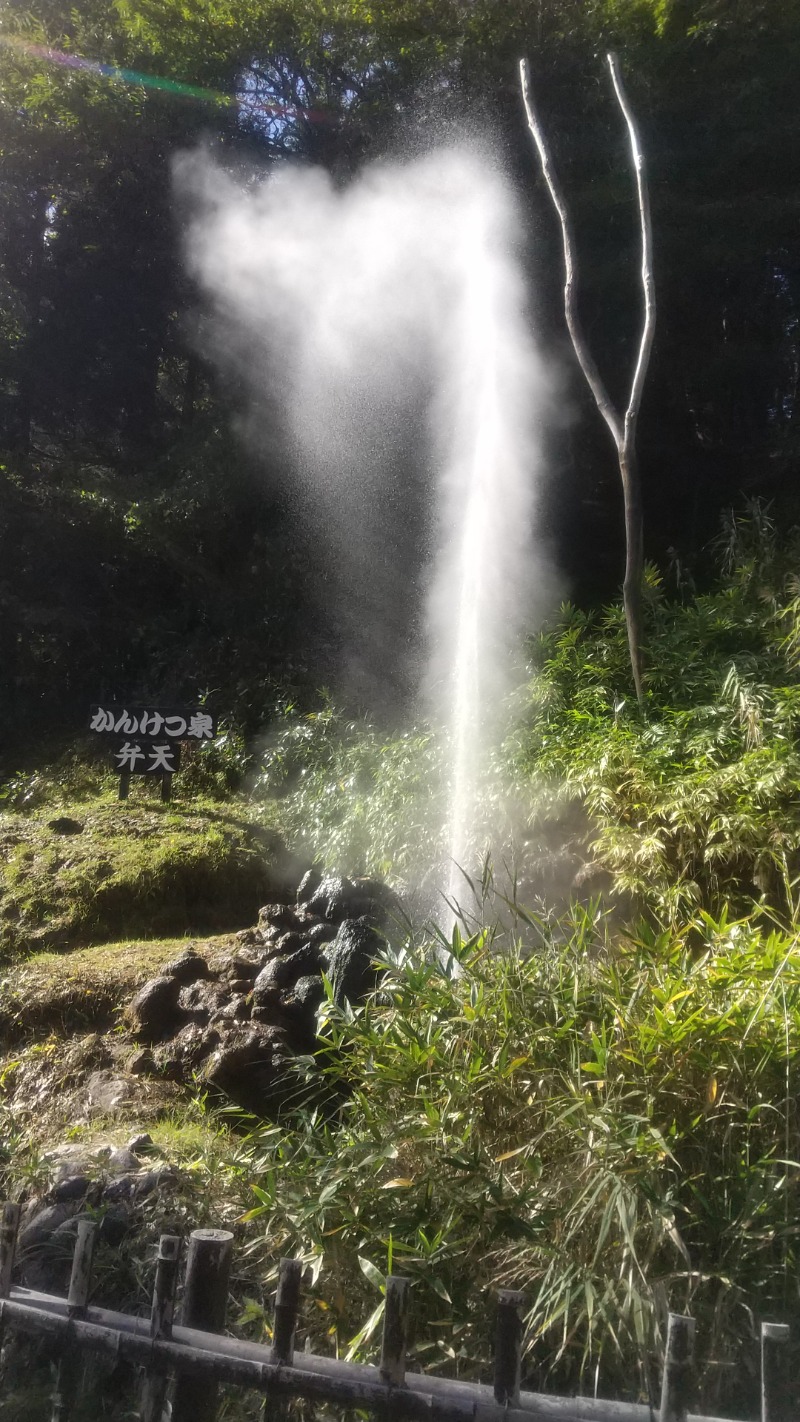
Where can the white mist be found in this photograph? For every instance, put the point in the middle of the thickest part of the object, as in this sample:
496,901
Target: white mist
399,299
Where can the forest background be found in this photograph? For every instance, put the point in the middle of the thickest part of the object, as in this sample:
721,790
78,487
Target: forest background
145,552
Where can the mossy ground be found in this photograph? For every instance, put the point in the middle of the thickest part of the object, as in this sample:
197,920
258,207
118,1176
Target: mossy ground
133,869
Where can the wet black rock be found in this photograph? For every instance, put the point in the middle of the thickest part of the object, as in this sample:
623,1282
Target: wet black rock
245,965
250,1066
74,1187
44,1222
320,933
289,942
155,1009
200,1000
309,884
336,899
234,1009
143,1142
378,902
332,899
122,1161
186,1051
283,973
241,1021
115,1225
309,992
349,959
188,967
250,938
274,917
64,825
140,1063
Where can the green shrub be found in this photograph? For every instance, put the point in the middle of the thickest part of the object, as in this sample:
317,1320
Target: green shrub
693,804
612,1130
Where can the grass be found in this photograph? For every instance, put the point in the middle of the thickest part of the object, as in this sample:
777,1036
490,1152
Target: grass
82,991
134,868
345,793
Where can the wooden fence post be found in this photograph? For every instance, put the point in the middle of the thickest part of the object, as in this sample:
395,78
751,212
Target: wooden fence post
775,1372
678,1381
9,1225
508,1347
70,1363
154,1391
205,1300
287,1302
395,1324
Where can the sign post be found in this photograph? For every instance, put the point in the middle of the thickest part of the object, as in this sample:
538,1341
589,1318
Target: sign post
148,742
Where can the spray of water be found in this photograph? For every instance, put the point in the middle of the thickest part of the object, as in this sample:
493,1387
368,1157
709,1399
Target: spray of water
387,323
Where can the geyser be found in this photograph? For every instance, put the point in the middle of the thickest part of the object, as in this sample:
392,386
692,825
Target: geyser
393,312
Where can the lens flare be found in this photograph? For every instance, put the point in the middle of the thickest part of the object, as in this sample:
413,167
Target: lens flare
137,79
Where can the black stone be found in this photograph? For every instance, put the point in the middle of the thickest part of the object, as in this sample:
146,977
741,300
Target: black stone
332,899
309,884
349,959
282,973
188,967
253,1067
155,1009
75,1187
320,933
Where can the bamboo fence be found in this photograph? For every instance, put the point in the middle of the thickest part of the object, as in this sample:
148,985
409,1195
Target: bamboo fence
188,1363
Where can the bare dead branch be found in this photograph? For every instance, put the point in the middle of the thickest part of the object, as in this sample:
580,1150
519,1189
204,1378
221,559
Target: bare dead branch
622,426
648,282
585,357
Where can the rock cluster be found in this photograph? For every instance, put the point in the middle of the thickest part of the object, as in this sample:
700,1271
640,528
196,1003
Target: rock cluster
242,1022
108,1185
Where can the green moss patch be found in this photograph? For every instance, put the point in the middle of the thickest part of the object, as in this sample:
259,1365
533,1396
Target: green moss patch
126,870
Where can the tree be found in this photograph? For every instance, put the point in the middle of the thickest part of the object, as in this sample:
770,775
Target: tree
622,425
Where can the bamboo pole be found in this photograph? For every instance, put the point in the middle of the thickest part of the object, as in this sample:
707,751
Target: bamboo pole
154,1392
508,1347
287,1303
775,1372
9,1226
678,1380
70,1366
205,1302
395,1327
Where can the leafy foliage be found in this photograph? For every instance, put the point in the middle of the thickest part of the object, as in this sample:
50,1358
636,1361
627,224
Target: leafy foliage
352,796
694,805
611,1128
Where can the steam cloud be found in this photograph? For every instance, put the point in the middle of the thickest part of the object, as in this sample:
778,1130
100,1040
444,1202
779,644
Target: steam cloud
386,325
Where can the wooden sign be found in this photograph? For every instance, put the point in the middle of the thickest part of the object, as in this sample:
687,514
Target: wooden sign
146,740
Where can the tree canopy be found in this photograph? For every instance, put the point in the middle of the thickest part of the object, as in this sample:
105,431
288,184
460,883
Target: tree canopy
143,549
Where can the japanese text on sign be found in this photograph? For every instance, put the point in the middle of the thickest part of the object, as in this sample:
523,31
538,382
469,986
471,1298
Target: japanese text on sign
148,759
171,725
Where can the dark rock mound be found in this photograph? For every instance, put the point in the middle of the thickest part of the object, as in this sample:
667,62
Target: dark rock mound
242,1022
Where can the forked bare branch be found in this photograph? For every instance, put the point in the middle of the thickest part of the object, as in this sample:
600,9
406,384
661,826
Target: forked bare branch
622,425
